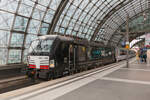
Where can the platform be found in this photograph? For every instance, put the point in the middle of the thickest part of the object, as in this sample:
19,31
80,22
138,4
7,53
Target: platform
119,83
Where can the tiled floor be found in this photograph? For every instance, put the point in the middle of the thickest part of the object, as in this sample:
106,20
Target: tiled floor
131,83
109,90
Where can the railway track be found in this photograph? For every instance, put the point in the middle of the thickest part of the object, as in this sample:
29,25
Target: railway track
11,82
14,83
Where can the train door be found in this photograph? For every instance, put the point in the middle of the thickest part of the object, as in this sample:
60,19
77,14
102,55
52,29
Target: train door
72,57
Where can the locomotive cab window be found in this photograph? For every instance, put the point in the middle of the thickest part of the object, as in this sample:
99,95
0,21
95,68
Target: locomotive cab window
39,46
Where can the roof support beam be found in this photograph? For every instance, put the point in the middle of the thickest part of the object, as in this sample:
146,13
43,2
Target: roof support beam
107,16
139,32
57,16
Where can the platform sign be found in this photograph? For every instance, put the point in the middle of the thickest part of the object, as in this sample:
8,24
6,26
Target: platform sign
127,45
147,40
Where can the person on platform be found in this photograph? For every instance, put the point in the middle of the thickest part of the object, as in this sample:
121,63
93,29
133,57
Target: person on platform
148,56
143,54
138,57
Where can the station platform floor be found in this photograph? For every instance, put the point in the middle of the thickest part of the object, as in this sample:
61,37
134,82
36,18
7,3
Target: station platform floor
119,83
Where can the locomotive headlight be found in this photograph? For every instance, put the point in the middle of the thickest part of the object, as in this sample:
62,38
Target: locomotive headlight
52,63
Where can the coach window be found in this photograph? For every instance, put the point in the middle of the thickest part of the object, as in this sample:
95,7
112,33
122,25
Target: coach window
103,52
109,52
122,52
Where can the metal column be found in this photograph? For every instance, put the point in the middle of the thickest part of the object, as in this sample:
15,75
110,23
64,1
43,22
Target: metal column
127,41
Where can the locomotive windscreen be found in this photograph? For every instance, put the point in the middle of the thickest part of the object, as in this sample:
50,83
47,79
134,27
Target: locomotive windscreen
39,45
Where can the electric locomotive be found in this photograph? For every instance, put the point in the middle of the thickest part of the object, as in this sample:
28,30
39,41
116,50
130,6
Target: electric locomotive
53,56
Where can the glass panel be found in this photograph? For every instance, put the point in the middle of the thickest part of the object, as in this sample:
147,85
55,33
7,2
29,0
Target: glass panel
34,26
84,3
25,8
74,33
54,4
82,16
4,38
62,30
71,10
6,20
25,53
60,20
38,12
44,28
17,40
14,56
89,7
20,23
68,32
66,21
9,5
66,8
99,3
3,56
57,29
77,14
44,2
49,16
29,38
77,2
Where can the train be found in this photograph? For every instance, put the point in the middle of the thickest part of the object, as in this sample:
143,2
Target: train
52,56
121,54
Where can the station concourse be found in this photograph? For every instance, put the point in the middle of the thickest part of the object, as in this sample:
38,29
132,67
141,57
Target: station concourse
74,49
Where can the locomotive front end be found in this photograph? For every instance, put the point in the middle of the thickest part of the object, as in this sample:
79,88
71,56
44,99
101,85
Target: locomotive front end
39,58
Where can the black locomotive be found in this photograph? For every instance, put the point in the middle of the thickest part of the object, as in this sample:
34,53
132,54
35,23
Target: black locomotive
54,55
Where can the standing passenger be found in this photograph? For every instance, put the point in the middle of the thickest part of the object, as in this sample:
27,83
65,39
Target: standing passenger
141,55
148,56
145,54
138,57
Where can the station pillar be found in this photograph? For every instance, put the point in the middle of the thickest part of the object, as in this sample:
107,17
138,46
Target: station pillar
127,41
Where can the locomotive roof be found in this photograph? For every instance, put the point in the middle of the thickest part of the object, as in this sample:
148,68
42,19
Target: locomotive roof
64,38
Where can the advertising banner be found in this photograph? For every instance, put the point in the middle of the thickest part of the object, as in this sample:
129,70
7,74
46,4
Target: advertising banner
147,40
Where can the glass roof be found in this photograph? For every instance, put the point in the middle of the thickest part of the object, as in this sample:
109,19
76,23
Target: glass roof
119,17
21,21
79,17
